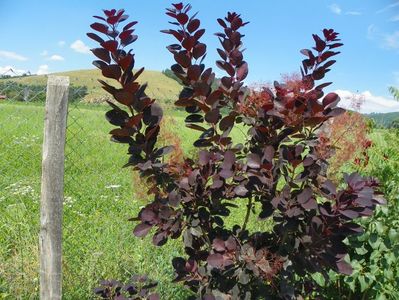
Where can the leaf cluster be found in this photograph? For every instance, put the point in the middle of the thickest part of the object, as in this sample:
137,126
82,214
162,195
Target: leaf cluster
277,167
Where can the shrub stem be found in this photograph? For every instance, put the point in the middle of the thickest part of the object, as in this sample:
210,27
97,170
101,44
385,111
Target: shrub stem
249,206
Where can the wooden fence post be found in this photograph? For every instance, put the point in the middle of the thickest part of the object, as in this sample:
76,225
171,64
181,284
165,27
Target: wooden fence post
52,190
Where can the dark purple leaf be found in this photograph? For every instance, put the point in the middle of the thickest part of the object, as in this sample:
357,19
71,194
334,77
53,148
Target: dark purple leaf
344,267
199,34
202,143
182,59
193,25
241,190
100,27
305,195
112,71
147,215
99,64
117,117
182,18
129,25
253,161
95,37
102,54
110,45
351,214
330,99
218,245
227,122
194,118
194,72
212,116
222,23
203,157
215,260
199,50
242,71
141,229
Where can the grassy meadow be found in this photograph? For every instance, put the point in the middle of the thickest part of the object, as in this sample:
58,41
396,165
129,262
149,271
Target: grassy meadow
99,198
160,86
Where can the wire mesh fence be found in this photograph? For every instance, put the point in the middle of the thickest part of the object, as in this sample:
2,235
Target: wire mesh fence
97,195
20,167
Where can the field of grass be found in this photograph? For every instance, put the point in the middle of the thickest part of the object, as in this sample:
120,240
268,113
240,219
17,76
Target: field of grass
159,86
99,198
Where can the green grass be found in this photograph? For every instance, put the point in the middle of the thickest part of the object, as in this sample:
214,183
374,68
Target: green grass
98,240
99,198
160,86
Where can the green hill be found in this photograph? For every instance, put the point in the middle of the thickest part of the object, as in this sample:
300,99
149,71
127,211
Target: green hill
384,119
159,87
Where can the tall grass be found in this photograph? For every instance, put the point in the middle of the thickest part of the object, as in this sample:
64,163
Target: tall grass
99,199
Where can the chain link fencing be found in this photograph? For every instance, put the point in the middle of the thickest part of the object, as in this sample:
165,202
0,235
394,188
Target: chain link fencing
98,196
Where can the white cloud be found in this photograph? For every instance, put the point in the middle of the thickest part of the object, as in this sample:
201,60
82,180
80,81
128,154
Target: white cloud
388,7
385,40
43,69
56,57
61,43
353,13
391,40
372,103
335,8
11,55
80,47
394,18
10,70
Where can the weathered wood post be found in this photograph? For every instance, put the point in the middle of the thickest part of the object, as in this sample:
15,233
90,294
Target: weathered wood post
52,190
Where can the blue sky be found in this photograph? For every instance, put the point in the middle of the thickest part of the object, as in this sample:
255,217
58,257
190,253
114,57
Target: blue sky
50,36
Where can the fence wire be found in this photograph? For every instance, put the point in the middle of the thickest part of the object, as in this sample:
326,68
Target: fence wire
97,195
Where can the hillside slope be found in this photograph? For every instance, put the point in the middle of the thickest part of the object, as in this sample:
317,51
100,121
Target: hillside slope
159,86
384,119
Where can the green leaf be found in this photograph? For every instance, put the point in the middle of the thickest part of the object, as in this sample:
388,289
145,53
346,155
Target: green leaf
361,250
363,284
319,278
393,235
388,274
364,237
351,283
381,297
375,255
380,227
390,258
375,241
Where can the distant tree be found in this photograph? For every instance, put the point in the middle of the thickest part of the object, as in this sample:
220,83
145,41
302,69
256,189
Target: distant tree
394,124
395,92
371,123
169,73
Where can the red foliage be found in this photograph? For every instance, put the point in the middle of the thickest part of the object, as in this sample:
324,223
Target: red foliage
280,167
348,135
258,99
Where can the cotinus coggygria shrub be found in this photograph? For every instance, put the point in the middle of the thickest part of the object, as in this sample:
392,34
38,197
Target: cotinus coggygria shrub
277,168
